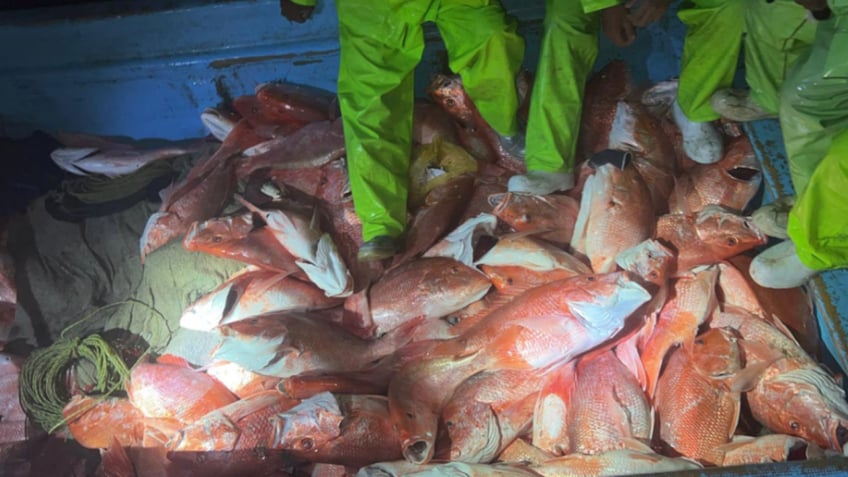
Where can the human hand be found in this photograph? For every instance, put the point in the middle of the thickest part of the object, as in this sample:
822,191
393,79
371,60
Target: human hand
647,11
294,12
617,25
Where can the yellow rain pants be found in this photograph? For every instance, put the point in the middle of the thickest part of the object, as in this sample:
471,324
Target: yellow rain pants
814,121
776,34
381,44
568,51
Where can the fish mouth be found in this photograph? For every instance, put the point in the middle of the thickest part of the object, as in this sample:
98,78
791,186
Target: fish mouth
499,202
417,450
839,437
744,174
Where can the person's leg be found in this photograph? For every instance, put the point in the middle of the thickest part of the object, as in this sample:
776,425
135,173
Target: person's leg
813,107
817,229
379,51
568,52
486,51
710,55
814,119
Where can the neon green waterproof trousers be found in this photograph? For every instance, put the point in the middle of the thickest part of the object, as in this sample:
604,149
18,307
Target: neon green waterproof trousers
381,44
568,51
814,121
776,34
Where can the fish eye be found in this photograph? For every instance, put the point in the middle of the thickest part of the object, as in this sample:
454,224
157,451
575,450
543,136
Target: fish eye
217,239
731,241
653,274
450,102
410,415
306,443
449,424
699,341
794,425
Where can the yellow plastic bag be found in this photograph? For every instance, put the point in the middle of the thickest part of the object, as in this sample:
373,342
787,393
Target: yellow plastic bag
436,164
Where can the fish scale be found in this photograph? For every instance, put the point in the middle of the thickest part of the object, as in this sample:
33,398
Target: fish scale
696,413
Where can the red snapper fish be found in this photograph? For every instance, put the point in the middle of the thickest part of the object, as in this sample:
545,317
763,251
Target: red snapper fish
486,413
732,182
288,102
544,326
352,430
552,217
199,196
252,293
427,287
615,215
95,423
314,145
712,235
175,392
793,395
597,407
697,403
243,424
315,250
691,302
114,162
238,237
289,344
476,135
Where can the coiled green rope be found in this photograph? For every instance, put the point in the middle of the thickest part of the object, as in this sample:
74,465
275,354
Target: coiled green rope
43,381
44,375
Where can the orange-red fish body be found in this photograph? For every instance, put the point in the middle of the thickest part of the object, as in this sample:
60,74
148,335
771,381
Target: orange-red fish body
691,302
487,412
174,392
544,326
243,424
429,287
475,134
697,413
287,102
236,237
615,214
551,216
94,423
352,430
712,235
732,182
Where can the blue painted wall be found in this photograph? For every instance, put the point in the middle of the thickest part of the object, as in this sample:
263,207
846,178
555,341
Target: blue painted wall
149,73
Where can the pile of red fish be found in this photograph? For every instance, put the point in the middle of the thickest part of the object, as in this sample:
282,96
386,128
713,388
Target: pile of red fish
609,330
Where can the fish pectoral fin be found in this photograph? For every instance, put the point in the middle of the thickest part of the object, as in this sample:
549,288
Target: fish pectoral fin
743,380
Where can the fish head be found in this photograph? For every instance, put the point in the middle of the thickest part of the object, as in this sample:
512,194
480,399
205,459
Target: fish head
215,234
218,122
715,353
473,432
607,301
517,210
726,233
804,402
308,426
448,93
650,260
